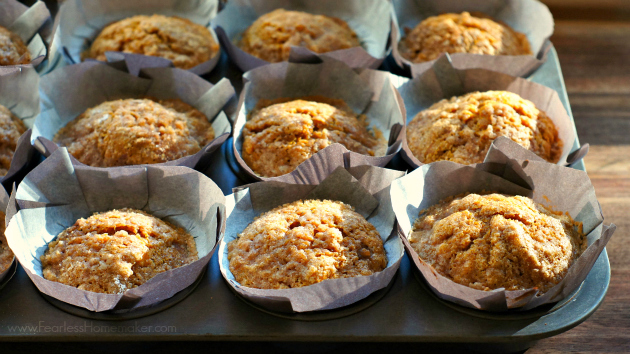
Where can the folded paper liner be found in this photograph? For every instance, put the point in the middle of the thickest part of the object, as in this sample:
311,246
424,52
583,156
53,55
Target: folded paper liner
529,17
69,91
556,187
4,202
82,20
366,188
57,193
370,19
443,81
366,91
28,24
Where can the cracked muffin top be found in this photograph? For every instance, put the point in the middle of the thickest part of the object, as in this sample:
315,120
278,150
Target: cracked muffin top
271,36
13,51
11,128
134,132
461,33
461,129
280,136
497,241
114,251
179,40
303,243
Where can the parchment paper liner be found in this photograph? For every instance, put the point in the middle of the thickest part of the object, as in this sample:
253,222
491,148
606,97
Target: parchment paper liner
529,17
18,92
57,193
82,20
33,25
70,90
4,202
557,187
364,187
443,81
372,20
366,91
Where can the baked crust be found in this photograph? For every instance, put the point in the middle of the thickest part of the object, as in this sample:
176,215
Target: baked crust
461,33
13,51
304,243
134,132
114,251
461,129
496,241
179,40
271,36
11,129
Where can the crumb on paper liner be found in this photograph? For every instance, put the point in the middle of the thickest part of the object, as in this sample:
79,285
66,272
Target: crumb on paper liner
364,187
530,17
556,187
57,193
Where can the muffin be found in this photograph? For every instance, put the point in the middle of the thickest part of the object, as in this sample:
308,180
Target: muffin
463,128
271,36
11,128
280,136
461,33
496,241
303,243
135,131
6,255
13,51
179,40
114,251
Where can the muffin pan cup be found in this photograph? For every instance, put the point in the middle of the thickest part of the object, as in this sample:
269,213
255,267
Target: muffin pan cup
556,187
57,193
529,17
372,20
80,22
33,25
69,91
368,92
366,188
443,81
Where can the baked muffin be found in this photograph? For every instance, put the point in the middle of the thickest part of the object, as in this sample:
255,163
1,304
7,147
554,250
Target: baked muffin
496,241
463,128
271,36
11,128
6,255
280,136
461,33
13,51
303,243
135,131
179,40
117,250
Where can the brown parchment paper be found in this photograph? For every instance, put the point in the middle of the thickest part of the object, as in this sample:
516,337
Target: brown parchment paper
69,91
19,93
33,25
557,187
443,81
366,91
80,22
366,188
57,193
4,202
529,17
370,19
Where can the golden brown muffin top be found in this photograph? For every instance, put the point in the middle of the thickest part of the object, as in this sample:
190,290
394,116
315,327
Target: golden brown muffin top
114,251
271,36
13,51
179,40
461,33
496,241
6,255
303,243
135,131
463,128
11,128
280,136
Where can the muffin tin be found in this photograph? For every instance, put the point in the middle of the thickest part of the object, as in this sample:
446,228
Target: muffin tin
405,311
